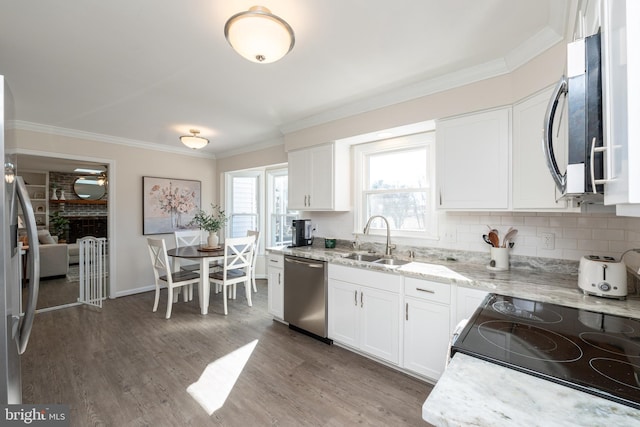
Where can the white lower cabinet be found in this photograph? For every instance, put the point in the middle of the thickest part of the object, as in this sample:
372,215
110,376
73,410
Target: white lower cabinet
364,311
275,282
467,301
404,321
427,326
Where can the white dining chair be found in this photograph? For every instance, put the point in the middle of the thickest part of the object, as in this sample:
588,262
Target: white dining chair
236,267
254,259
165,277
186,238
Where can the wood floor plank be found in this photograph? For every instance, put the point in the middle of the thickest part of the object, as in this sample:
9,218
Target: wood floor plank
127,366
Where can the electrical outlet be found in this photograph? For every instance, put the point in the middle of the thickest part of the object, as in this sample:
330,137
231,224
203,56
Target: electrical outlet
450,236
548,241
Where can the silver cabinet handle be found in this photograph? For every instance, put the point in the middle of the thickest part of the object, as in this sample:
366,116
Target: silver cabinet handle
26,323
309,200
355,297
406,308
279,282
429,291
361,301
547,140
274,260
308,264
592,162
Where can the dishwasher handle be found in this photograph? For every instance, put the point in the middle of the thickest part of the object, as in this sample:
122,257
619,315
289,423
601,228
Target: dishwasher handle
305,263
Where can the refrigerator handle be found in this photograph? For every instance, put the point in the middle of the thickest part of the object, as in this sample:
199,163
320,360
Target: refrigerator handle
547,141
26,323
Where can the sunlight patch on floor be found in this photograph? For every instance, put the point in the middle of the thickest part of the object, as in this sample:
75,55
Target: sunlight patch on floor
218,378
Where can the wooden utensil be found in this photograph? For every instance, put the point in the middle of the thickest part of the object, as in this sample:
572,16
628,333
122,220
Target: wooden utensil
494,239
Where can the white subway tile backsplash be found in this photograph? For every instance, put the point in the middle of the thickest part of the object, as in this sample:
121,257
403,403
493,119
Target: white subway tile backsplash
599,234
565,222
593,245
577,233
537,221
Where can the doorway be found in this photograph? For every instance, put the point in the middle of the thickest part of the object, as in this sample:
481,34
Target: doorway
72,211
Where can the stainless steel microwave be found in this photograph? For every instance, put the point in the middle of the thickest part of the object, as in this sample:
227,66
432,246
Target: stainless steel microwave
582,88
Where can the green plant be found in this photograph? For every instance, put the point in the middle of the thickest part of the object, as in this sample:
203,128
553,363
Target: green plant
210,222
59,223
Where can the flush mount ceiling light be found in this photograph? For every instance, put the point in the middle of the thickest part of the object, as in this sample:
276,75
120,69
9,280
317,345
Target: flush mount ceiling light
258,35
194,141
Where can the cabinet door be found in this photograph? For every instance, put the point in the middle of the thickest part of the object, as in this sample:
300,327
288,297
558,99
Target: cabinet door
473,161
426,337
380,324
621,103
533,187
276,291
467,301
298,179
321,177
343,312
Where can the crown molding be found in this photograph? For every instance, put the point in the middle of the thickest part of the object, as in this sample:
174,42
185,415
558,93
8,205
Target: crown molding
98,137
546,38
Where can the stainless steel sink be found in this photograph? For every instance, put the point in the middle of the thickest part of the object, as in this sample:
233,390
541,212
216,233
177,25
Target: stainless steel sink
391,262
363,257
377,259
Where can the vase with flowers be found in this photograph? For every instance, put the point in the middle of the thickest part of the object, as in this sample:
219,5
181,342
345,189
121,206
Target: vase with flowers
211,222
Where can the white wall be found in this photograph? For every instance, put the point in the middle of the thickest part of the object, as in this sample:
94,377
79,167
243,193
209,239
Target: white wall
129,249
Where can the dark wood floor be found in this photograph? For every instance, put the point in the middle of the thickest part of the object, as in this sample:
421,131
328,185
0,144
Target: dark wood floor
126,366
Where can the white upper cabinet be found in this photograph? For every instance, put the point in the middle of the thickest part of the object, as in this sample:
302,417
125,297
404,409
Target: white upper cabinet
473,161
533,187
320,179
621,103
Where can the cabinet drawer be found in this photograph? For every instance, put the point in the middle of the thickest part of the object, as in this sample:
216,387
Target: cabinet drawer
424,289
275,260
364,277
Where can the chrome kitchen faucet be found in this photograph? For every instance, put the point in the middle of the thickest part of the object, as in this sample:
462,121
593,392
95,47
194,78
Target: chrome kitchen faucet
389,245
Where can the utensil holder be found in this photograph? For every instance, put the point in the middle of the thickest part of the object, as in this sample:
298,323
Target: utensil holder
499,259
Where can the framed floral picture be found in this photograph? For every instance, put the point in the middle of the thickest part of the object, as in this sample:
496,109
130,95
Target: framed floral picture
169,204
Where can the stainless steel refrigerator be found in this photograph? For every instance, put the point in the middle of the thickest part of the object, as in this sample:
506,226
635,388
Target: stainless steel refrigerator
16,323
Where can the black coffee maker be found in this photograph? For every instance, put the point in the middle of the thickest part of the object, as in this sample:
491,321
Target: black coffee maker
301,232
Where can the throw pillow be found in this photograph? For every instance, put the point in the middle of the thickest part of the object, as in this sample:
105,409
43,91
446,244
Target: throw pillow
44,237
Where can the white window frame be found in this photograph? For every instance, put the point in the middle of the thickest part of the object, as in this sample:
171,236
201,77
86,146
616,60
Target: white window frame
265,205
270,215
361,152
229,210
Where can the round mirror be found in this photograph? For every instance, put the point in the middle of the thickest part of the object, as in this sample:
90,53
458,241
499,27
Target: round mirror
90,187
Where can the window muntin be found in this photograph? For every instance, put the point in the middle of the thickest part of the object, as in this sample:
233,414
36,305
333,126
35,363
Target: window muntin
396,182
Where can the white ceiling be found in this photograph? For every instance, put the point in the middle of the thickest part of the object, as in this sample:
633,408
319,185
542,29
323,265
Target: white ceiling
146,71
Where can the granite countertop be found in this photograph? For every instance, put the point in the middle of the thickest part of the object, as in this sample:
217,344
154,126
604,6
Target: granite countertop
551,282
454,400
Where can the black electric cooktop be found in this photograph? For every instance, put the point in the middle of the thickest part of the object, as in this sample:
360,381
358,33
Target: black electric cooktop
593,352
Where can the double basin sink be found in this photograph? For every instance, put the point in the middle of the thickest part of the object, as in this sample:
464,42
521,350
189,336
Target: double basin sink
377,259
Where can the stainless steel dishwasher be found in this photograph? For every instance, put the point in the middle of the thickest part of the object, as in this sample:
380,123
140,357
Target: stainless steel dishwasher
305,296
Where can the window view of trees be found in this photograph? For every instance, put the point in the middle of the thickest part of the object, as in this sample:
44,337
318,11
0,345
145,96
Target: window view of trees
397,188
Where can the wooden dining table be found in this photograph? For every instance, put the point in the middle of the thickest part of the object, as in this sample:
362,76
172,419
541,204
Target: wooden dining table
204,256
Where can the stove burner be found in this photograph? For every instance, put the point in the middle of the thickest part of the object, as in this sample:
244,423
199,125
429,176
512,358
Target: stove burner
620,346
621,372
512,310
529,341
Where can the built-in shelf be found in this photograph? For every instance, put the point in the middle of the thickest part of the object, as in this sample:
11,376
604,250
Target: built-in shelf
80,202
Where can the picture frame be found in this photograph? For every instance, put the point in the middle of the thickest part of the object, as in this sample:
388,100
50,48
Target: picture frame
169,204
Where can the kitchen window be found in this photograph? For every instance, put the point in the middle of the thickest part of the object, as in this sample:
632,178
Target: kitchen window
257,199
394,178
280,217
244,206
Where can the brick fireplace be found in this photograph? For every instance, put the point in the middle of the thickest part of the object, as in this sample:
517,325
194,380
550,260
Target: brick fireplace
83,226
